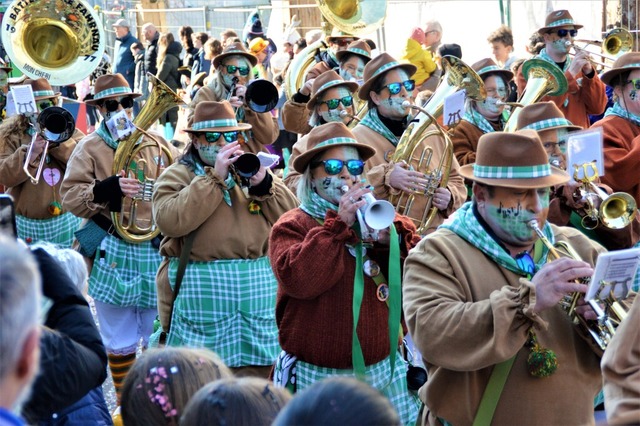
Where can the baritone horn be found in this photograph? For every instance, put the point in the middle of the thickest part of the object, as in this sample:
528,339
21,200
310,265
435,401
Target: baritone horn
129,226
62,41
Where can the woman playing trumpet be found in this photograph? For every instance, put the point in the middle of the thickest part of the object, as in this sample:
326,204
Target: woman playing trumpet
316,254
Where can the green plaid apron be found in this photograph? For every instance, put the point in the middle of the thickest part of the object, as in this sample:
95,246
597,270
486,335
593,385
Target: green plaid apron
57,230
227,306
124,274
377,375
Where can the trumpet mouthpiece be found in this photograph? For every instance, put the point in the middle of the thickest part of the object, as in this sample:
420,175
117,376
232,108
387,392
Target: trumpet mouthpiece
344,188
533,223
568,43
407,104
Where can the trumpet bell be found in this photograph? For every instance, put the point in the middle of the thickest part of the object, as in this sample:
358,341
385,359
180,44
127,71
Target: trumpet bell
60,41
618,210
354,17
617,41
261,95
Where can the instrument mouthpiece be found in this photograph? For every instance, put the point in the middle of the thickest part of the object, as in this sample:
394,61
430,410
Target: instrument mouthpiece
344,189
533,224
407,104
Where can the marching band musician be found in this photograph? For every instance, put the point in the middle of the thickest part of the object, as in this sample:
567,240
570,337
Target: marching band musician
567,208
337,41
621,126
330,95
122,279
39,211
227,294
236,63
586,93
313,251
485,116
481,285
387,85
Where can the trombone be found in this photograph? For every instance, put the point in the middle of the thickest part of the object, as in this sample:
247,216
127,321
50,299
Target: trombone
615,43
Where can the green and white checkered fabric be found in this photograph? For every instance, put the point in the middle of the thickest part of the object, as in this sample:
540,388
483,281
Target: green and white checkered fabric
372,121
57,230
405,402
508,172
124,274
227,306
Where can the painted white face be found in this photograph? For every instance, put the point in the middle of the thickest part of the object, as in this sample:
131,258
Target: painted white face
333,94
496,91
629,93
329,186
390,104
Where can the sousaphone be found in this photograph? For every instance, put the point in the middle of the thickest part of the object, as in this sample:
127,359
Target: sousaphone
354,17
62,41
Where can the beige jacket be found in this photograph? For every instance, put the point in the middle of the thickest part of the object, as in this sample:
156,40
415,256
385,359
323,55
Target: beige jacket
379,167
295,117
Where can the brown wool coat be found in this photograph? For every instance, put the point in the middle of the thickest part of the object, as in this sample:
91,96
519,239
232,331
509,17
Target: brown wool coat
465,137
295,117
467,313
379,167
31,201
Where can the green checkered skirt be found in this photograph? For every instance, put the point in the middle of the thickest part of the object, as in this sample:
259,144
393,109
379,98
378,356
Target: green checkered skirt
124,274
227,306
406,403
57,230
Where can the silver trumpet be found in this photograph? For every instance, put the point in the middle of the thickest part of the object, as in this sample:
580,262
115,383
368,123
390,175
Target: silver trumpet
373,216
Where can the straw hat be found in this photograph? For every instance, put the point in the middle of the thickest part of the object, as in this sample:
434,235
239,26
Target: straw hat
234,49
215,117
486,67
327,136
357,47
257,45
513,160
111,86
377,67
543,116
324,82
558,19
41,88
627,62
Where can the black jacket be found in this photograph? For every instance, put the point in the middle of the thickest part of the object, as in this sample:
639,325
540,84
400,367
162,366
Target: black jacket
168,71
151,54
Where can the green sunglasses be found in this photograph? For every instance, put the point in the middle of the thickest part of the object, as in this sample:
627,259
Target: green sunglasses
231,69
334,166
228,136
333,103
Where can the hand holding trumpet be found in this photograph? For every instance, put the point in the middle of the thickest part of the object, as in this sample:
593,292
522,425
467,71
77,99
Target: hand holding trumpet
351,201
580,62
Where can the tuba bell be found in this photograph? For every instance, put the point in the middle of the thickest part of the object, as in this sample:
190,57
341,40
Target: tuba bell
129,226
62,41
543,79
354,16
457,76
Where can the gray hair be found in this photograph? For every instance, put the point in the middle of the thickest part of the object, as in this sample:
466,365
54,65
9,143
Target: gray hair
20,292
71,262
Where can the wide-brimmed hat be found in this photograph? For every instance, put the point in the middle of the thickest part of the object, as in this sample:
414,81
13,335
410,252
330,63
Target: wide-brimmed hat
378,66
212,116
324,82
41,88
327,136
543,116
486,67
513,160
627,62
234,49
199,78
558,19
111,86
357,47
336,34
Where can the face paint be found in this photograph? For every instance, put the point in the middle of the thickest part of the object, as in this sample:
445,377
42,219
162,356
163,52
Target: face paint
633,94
227,79
108,115
346,75
563,134
395,105
331,115
329,188
512,220
208,153
560,46
490,105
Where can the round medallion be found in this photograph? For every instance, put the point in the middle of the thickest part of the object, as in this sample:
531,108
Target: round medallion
382,292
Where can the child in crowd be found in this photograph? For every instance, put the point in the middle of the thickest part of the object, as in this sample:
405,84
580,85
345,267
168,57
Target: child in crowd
419,56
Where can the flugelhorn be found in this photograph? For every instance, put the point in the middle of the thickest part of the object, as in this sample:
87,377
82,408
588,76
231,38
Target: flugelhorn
375,215
55,125
604,327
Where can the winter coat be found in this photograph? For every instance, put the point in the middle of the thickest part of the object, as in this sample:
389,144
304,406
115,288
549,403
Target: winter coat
123,62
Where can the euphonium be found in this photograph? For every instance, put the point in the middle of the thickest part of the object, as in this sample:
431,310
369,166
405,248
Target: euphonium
161,98
604,327
457,76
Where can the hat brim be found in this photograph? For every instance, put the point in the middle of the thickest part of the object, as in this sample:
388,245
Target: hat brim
218,59
506,74
341,54
363,92
545,30
606,77
240,127
55,95
119,95
331,38
556,177
300,162
351,85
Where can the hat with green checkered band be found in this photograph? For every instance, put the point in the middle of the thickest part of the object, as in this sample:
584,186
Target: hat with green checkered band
111,86
558,19
41,89
543,116
326,81
212,116
377,67
513,160
327,136
627,62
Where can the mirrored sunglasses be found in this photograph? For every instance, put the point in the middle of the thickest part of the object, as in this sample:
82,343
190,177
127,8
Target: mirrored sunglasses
334,166
525,263
231,69
635,83
44,103
563,33
112,104
333,103
228,136
394,88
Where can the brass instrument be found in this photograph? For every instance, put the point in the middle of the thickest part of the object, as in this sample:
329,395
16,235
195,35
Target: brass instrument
543,79
354,16
299,67
161,99
55,125
457,76
244,168
375,215
615,43
615,211
604,327
62,41
261,95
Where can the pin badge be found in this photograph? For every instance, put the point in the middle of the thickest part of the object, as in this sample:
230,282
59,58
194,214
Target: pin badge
371,268
382,292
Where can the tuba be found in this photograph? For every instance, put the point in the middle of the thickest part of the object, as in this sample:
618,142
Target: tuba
299,67
457,76
130,227
62,41
604,327
543,79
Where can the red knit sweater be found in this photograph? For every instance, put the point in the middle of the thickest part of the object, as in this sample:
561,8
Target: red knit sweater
315,274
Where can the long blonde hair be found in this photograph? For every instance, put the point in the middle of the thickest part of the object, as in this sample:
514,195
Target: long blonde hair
164,42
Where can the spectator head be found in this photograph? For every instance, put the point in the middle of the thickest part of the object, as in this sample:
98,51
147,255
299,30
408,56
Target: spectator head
417,34
185,37
227,36
149,32
199,39
20,293
432,34
501,41
451,49
162,381
71,262
136,48
212,48
246,401
121,27
313,36
341,401
258,46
